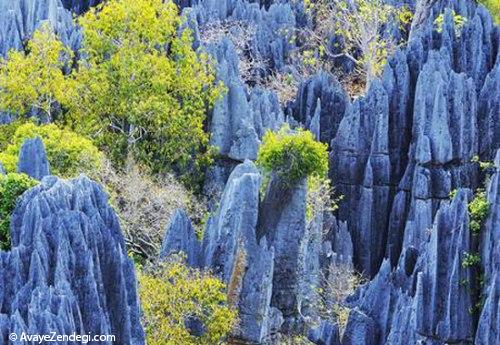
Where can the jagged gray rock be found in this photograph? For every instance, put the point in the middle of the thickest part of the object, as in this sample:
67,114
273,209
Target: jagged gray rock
282,221
20,18
325,334
68,269
33,159
239,120
231,249
180,237
320,105
361,329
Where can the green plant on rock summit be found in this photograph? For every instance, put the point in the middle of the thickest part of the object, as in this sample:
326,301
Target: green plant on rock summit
11,187
293,155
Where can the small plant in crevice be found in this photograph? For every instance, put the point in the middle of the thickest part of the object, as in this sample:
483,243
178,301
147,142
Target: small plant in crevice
336,284
320,197
472,262
458,20
483,165
470,259
12,186
478,211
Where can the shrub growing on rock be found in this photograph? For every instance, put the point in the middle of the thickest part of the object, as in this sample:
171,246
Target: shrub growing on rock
68,153
360,23
11,187
478,211
184,306
293,155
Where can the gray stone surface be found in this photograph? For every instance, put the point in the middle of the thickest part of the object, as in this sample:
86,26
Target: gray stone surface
180,238
33,159
68,269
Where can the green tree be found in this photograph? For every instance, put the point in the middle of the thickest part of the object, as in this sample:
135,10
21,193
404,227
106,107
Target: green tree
293,155
175,293
143,91
11,187
34,80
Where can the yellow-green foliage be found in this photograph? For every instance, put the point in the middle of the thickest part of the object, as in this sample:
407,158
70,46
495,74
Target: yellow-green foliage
174,292
478,211
34,80
11,187
494,7
7,132
458,20
68,153
142,88
293,155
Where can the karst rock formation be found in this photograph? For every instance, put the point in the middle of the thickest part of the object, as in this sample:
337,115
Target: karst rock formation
404,156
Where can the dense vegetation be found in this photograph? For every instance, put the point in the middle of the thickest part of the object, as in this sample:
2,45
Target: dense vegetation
184,306
130,110
140,91
11,187
32,82
68,153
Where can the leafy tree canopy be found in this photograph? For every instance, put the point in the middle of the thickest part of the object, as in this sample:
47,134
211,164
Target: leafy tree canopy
175,296
34,80
143,90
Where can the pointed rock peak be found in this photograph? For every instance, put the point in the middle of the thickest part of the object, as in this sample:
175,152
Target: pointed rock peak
33,159
180,237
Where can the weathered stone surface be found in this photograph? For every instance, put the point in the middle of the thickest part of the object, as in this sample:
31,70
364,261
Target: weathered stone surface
33,159
180,237
231,249
68,269
20,18
282,222
325,334
361,329
321,104
240,119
